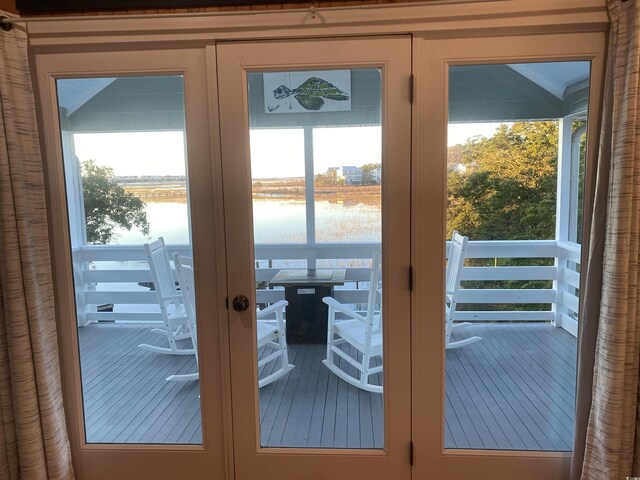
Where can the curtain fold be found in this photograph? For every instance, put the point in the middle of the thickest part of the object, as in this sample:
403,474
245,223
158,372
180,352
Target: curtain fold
607,440
33,437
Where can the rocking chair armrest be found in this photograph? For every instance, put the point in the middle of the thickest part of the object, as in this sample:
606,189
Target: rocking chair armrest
279,305
339,307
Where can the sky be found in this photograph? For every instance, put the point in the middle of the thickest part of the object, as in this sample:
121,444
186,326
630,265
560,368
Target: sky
134,153
275,153
280,153
460,132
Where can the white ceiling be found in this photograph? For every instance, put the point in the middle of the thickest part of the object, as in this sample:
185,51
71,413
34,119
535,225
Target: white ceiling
75,92
554,77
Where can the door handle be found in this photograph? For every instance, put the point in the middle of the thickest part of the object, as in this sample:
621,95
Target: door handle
240,303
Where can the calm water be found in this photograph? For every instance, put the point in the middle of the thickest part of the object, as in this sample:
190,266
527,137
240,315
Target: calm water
275,221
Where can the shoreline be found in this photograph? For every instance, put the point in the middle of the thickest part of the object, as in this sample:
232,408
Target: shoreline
266,190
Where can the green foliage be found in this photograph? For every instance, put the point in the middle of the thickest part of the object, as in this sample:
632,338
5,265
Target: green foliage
107,205
504,187
328,179
368,176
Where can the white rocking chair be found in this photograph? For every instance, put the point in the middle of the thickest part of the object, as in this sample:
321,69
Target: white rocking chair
184,271
362,333
273,334
174,316
269,333
454,272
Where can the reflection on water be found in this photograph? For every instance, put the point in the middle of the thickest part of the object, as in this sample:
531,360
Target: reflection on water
275,221
166,219
279,221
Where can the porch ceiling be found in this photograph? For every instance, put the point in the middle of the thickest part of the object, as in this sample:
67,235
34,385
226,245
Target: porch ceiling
478,93
507,93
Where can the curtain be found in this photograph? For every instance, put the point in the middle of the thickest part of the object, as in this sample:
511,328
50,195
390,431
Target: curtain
33,437
607,441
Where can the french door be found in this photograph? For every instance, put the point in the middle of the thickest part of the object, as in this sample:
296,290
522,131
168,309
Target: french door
315,142
125,419
494,392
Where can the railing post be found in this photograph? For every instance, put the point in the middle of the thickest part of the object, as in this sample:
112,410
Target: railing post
558,307
563,211
310,205
77,222
80,287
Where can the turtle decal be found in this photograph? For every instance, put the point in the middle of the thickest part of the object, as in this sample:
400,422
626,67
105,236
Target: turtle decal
311,93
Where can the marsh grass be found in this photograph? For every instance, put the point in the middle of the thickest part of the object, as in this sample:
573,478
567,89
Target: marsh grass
293,189
159,192
348,223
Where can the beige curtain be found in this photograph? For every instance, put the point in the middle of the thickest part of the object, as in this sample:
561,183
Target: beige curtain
33,436
607,442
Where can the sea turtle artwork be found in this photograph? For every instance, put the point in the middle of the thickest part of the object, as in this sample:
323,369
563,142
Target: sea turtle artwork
311,93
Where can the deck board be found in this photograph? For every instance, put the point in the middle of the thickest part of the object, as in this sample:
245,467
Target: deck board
513,390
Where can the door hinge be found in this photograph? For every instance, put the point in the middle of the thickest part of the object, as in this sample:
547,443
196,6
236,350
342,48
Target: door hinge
411,278
412,86
411,453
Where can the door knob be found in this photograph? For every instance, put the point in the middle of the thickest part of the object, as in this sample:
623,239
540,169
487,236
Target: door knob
240,303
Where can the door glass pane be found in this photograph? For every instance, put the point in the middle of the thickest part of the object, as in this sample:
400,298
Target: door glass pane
317,182
515,162
127,186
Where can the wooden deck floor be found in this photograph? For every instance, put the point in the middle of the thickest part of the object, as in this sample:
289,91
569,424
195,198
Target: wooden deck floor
513,390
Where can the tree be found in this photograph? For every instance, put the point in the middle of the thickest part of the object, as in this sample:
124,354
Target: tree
107,205
371,174
328,179
454,157
505,186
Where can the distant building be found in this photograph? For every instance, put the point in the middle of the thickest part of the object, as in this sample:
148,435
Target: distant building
350,174
375,175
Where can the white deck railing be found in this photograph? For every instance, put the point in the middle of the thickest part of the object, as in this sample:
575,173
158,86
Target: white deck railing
116,282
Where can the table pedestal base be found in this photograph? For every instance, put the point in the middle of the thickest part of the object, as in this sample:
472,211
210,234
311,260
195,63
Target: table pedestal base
307,313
